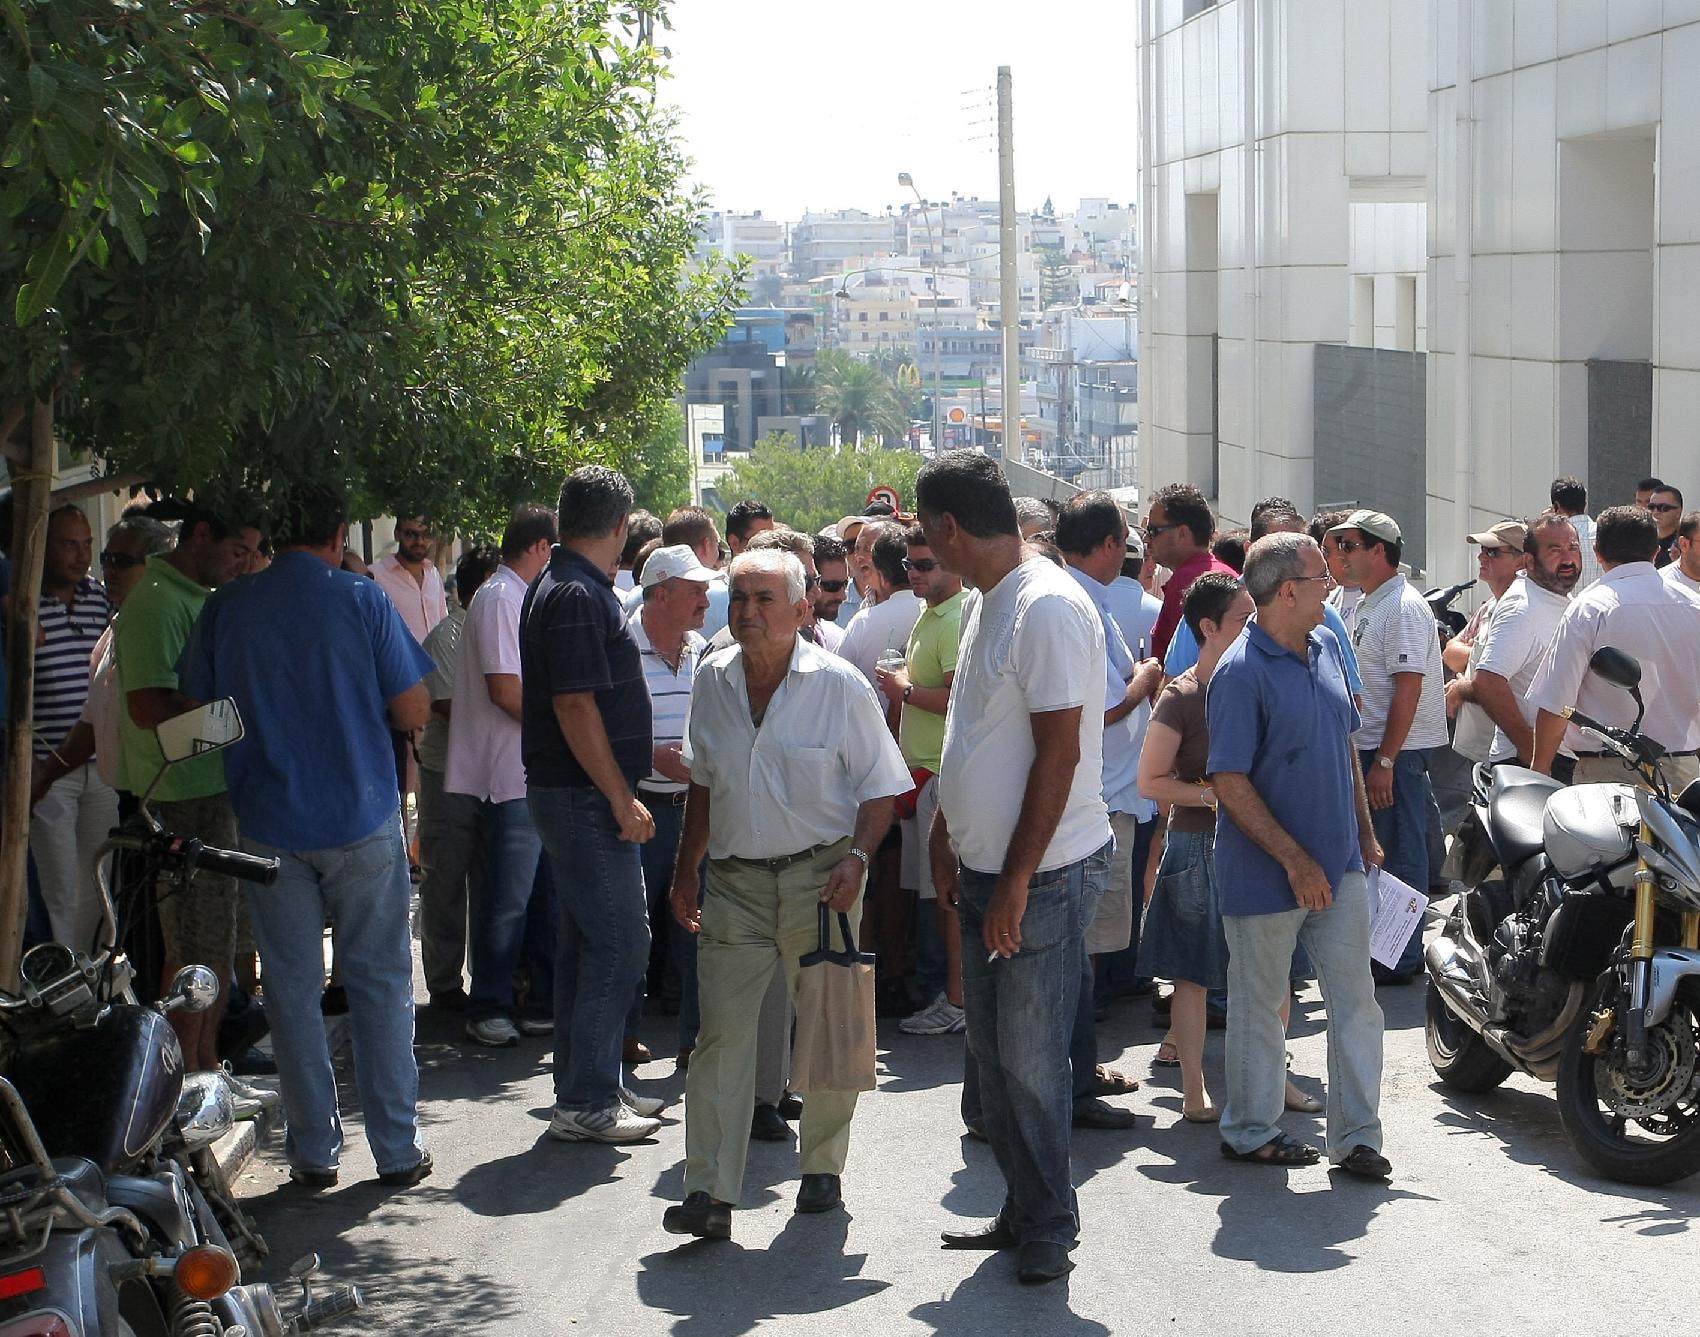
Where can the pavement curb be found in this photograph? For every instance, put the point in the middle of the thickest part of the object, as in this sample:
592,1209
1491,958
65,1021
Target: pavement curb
236,1148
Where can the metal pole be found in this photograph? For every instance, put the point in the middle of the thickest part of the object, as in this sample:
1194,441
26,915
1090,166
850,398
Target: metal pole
1009,304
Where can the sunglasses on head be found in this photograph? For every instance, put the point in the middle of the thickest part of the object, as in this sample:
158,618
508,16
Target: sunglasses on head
922,564
831,586
121,561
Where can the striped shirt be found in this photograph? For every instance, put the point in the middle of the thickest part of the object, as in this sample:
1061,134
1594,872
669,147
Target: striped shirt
1395,633
68,637
669,693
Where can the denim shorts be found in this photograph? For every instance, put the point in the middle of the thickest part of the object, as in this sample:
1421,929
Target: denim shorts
1182,938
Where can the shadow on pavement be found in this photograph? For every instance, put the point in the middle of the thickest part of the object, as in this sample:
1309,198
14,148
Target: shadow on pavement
1526,1126
724,1289
991,1300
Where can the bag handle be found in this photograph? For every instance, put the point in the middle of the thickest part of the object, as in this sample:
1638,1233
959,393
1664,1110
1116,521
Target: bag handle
825,953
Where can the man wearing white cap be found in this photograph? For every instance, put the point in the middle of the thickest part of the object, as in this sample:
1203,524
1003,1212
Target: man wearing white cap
666,626
1404,709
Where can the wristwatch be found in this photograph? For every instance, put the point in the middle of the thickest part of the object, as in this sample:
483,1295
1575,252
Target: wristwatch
859,854
1386,763
907,689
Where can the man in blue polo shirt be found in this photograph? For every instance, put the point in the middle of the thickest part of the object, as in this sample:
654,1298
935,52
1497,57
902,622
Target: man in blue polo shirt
586,737
322,668
1293,837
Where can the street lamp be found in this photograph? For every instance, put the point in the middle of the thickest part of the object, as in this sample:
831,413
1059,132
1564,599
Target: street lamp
904,179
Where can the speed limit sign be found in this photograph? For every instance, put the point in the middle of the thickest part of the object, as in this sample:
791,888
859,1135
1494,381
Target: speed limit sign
886,494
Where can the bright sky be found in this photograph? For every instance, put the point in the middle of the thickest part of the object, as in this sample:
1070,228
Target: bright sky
819,104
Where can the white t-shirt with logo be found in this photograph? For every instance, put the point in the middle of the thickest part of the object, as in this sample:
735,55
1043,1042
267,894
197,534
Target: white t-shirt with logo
1030,645
1396,633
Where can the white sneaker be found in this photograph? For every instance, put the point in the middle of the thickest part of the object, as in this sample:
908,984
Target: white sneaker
644,1106
536,1025
939,1017
617,1123
248,1100
496,1032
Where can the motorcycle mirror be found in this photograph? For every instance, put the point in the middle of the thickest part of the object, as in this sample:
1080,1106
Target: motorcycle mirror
1616,667
207,728
193,988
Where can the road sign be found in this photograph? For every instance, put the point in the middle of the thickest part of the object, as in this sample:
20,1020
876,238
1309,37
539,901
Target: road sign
886,494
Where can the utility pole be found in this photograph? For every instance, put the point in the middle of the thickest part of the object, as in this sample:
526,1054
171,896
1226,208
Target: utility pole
1009,304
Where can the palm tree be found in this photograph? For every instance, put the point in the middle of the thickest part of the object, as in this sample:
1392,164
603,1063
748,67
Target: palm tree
858,398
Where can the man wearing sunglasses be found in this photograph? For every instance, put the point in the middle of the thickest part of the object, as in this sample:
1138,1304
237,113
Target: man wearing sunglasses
1178,530
1666,506
409,578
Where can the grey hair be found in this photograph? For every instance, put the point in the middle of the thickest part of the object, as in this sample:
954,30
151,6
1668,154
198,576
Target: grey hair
1274,560
772,562
1031,510
155,535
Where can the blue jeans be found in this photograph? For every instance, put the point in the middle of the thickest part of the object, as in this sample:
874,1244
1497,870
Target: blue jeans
603,946
364,888
1082,1053
512,853
657,859
1021,1017
1260,954
1403,832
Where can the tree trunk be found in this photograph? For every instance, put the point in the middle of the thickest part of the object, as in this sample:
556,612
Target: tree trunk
31,487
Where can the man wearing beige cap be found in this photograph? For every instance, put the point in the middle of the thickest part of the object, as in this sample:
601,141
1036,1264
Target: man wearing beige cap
666,627
1404,711
1499,557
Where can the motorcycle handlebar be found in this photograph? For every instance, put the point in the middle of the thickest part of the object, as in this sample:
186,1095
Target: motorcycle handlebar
233,863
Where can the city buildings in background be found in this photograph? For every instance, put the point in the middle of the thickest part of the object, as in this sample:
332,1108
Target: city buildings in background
1412,297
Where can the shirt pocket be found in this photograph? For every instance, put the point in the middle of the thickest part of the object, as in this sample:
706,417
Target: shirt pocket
808,773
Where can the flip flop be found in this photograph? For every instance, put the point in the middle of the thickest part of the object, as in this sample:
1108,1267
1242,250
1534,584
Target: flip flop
1283,1151
1108,1082
1167,1056
1209,1114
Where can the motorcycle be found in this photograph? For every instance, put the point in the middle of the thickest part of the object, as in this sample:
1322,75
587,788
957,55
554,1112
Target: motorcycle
1447,618
1580,963
114,1215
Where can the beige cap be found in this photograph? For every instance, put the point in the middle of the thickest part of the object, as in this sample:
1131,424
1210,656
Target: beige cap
675,563
848,526
1506,534
1374,523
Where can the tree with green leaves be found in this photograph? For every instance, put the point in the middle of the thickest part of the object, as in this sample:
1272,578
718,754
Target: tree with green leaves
659,467
810,489
859,398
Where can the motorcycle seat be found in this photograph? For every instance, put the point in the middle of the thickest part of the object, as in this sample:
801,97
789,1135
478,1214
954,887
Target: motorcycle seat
1517,803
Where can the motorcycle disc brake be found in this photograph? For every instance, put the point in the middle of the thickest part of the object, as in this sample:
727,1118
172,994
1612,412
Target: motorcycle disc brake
1671,1079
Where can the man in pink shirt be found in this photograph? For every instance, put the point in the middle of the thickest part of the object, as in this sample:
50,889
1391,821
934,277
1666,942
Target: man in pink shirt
411,581
513,915
1178,530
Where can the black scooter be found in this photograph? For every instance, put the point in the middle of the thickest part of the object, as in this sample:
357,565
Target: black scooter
114,1218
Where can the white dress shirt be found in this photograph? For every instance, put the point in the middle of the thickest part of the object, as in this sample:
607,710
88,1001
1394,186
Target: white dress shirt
484,740
1515,643
422,606
1635,609
794,782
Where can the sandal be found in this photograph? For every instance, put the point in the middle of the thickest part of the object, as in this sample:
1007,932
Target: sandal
1300,1103
1209,1114
1108,1082
1167,1056
1279,1150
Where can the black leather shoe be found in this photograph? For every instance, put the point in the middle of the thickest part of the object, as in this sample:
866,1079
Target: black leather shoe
312,1178
421,1169
1040,1261
1090,1112
790,1107
998,1235
819,1193
766,1125
699,1215
1366,1163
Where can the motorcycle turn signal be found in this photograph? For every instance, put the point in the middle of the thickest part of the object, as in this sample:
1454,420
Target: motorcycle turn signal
206,1272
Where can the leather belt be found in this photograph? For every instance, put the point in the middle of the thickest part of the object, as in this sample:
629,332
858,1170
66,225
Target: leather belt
783,861
1690,753
664,796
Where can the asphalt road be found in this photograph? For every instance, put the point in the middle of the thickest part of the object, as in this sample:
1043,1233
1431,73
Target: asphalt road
1491,1223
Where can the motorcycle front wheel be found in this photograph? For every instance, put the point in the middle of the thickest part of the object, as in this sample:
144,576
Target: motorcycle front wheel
1635,1131
1459,1057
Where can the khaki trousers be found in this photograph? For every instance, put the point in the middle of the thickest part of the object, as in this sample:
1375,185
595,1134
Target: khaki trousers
1678,772
754,922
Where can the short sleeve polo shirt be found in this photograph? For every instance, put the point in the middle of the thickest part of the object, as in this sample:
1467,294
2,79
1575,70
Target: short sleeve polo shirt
574,638
1286,724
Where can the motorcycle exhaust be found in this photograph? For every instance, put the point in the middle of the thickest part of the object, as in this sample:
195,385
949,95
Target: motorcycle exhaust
1448,976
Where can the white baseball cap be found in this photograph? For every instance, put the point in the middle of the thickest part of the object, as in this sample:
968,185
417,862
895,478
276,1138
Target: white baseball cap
675,563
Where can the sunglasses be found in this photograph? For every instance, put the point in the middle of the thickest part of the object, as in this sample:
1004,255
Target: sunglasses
831,586
121,561
1151,531
1349,545
411,534
922,564
1662,506
1501,552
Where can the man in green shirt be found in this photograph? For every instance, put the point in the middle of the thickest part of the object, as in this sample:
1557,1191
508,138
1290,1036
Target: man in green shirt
922,687
198,921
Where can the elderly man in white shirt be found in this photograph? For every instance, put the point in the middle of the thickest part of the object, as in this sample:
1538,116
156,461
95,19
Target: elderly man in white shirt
793,773
1634,609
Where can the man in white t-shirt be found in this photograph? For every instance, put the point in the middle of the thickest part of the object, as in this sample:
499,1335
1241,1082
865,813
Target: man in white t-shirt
1021,841
1404,706
889,608
484,761
1685,570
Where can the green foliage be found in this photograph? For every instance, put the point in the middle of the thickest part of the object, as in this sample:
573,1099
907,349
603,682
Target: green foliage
809,489
659,467
860,398
432,249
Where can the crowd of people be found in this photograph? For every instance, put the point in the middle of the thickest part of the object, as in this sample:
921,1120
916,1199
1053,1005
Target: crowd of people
1037,757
